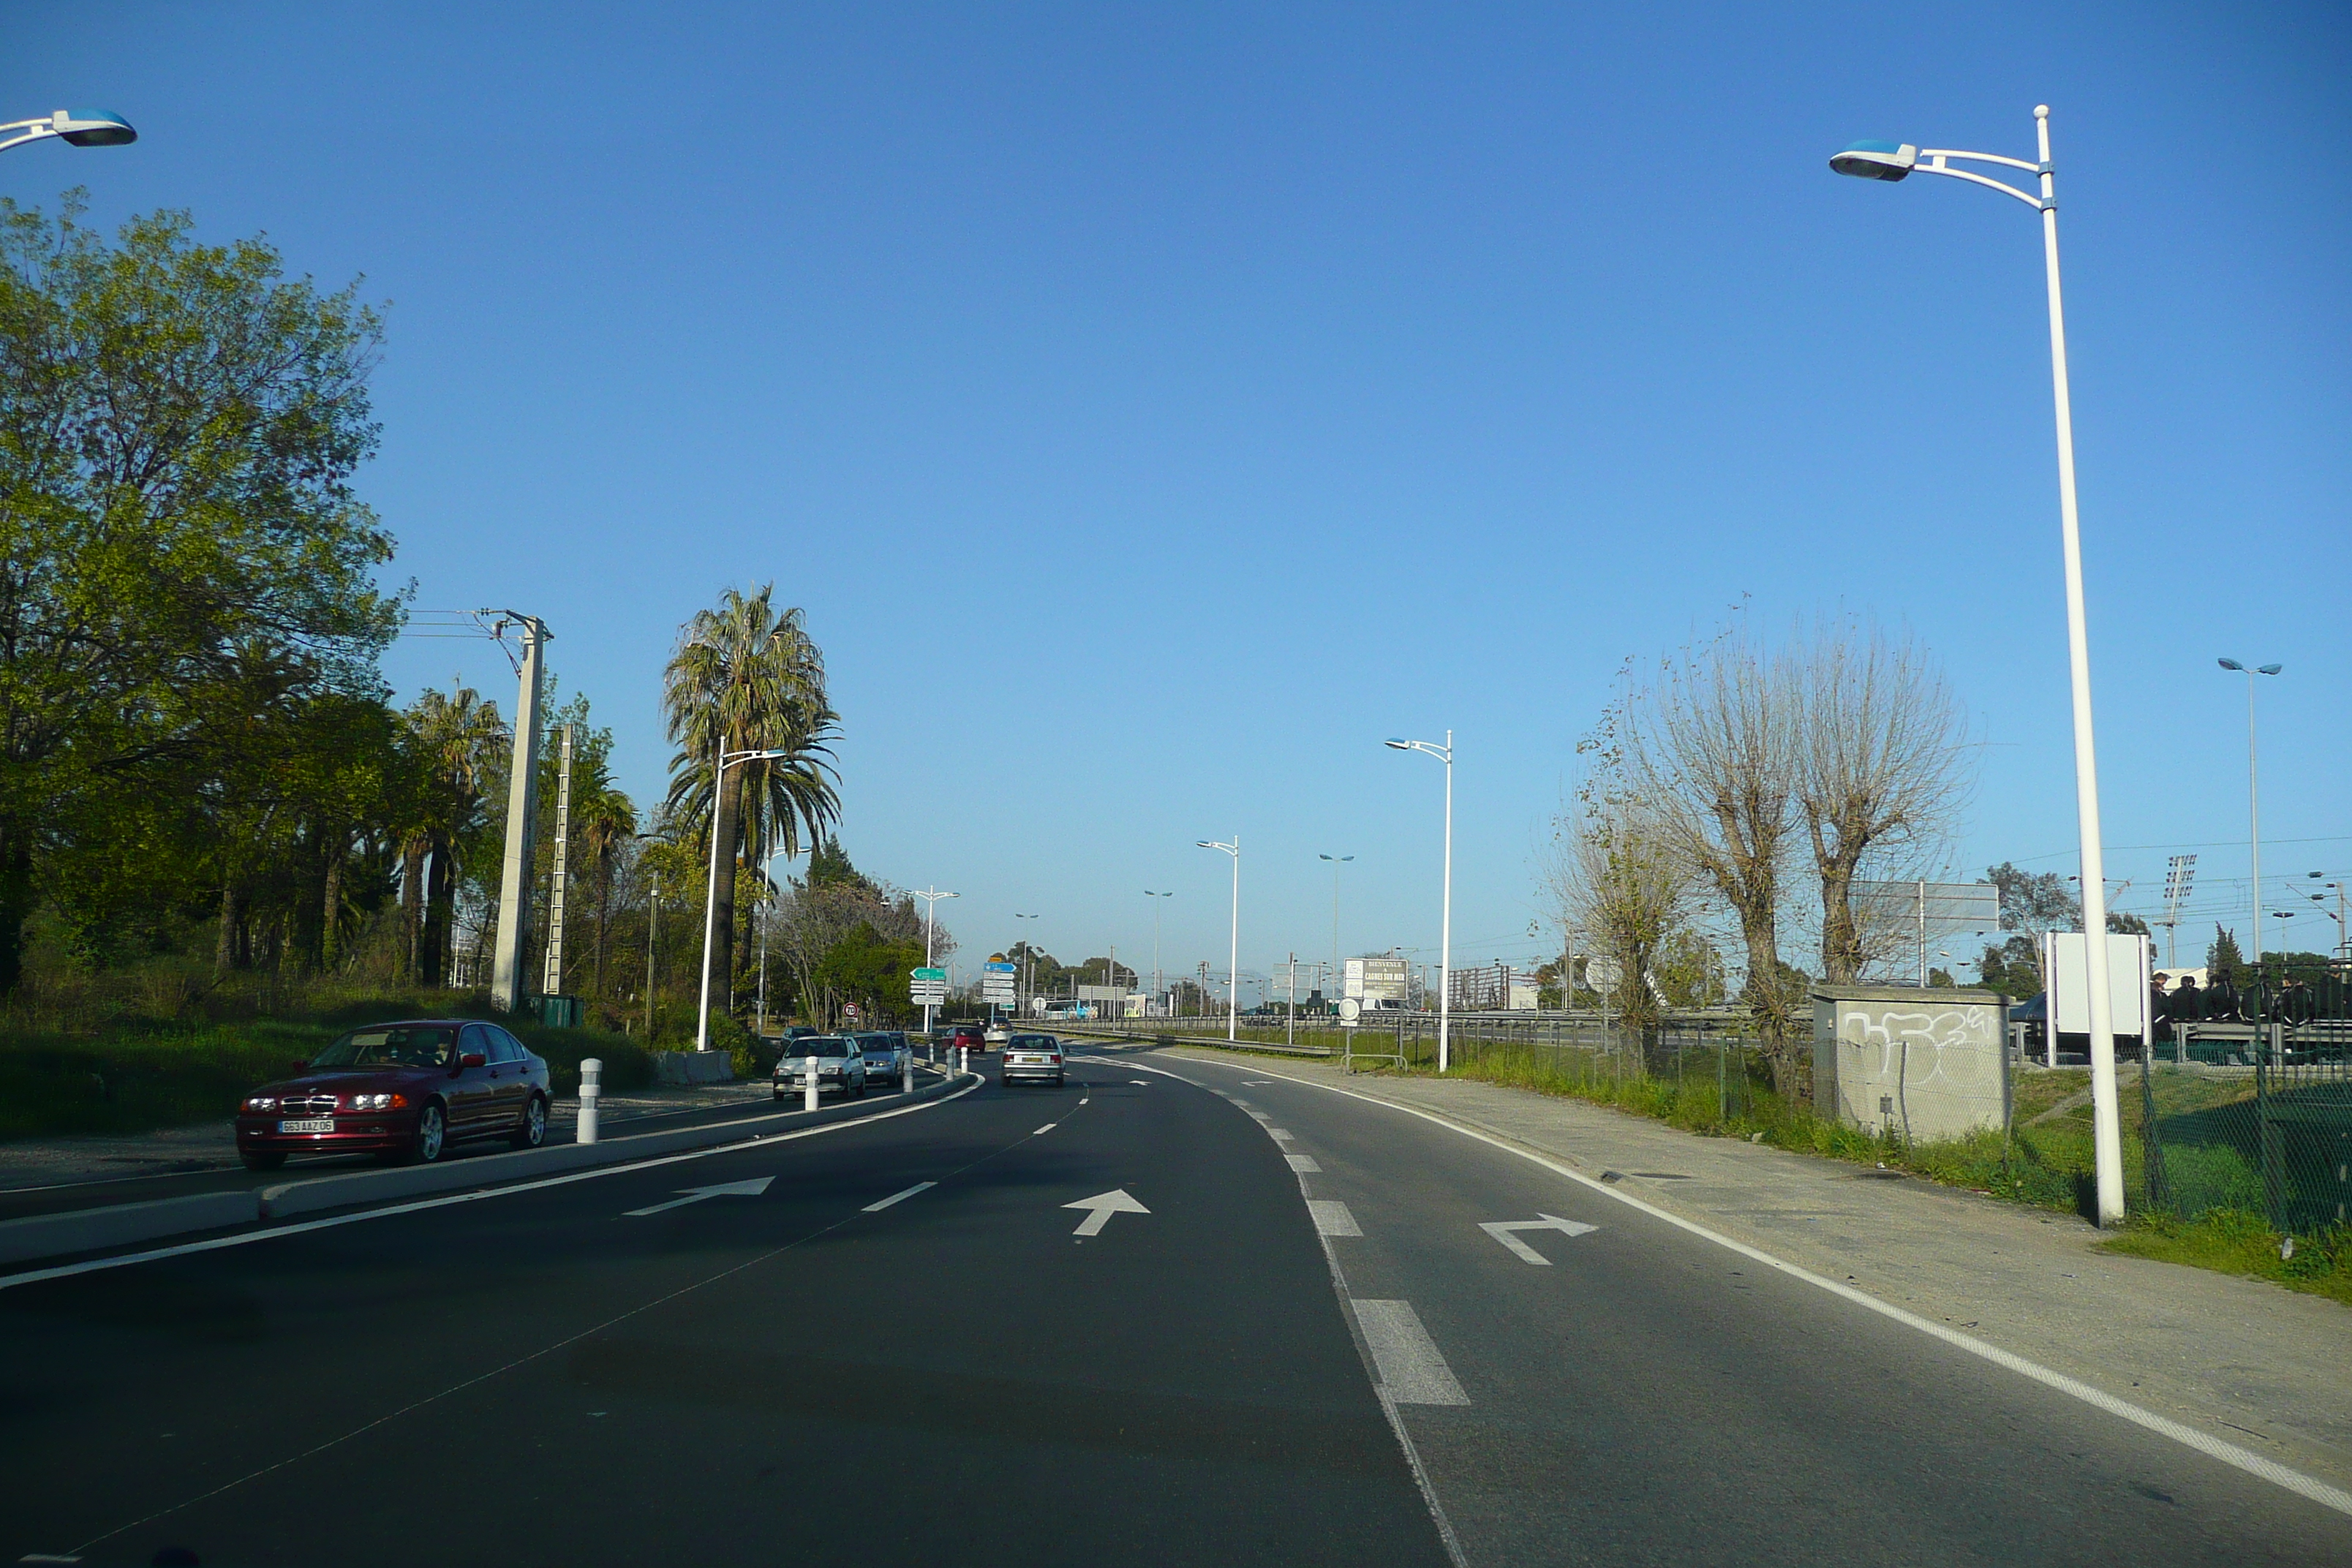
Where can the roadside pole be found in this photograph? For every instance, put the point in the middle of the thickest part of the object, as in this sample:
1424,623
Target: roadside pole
523,820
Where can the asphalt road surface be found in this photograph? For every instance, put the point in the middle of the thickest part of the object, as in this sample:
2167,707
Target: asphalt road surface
899,1342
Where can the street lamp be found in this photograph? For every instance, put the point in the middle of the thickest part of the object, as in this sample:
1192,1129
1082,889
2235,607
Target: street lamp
73,127
710,901
1443,753
930,908
1337,861
1896,161
2253,796
1028,951
1233,960
1158,989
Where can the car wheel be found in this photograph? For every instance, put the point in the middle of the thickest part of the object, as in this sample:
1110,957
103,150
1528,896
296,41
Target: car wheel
861,1090
780,1093
533,1130
261,1159
431,1134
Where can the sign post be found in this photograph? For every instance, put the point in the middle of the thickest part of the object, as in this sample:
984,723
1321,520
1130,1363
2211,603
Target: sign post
928,987
996,982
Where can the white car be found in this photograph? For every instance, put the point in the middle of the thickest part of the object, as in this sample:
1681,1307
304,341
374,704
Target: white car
997,1034
840,1066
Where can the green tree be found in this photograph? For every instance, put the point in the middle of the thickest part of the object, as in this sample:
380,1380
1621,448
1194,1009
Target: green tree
745,678
179,424
2223,957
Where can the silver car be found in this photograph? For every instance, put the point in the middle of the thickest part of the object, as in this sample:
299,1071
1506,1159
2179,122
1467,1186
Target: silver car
887,1054
1033,1058
840,1066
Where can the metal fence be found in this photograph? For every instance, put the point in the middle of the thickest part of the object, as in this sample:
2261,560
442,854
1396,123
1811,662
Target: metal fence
2248,1105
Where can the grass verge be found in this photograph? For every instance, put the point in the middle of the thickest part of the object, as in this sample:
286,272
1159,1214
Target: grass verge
2239,1241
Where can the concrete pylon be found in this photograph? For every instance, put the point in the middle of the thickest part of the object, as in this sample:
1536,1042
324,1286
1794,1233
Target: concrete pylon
507,993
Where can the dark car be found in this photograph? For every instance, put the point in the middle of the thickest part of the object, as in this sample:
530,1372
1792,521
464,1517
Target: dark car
403,1091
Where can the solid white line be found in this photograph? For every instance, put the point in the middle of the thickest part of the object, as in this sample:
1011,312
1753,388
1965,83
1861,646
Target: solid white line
2188,1437
1303,1162
898,1197
1413,1369
1042,1130
1332,1218
244,1239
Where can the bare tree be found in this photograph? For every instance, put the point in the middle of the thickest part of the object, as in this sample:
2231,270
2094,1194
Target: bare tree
1710,745
1621,888
1884,768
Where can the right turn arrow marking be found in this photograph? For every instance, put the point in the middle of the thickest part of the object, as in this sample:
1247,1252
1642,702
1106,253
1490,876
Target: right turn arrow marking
1501,1231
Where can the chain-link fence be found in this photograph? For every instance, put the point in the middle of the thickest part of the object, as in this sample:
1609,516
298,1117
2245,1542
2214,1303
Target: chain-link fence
2246,1104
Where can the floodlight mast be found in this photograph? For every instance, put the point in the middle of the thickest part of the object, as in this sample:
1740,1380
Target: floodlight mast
1897,161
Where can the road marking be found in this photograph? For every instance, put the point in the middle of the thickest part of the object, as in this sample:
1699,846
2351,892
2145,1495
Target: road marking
1140,1083
751,1189
1260,1117
2188,1436
1084,1098
1255,1082
900,1197
1101,1207
1280,1135
1303,1162
1501,1231
274,1233
1413,1370
1332,1218
1042,1130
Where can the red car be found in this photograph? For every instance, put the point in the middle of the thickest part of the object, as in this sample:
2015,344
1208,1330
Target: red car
403,1091
972,1035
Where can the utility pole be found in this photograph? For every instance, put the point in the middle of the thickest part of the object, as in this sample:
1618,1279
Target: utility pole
1290,1026
653,919
554,984
522,821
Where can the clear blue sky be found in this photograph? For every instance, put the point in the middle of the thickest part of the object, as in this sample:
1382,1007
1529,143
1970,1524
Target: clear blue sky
1155,407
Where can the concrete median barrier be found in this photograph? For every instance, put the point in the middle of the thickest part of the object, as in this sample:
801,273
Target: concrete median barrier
124,1225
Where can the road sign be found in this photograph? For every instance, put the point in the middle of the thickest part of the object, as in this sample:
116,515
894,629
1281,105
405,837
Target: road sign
941,975
996,980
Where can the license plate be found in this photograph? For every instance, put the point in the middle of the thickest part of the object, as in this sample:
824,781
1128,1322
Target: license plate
308,1124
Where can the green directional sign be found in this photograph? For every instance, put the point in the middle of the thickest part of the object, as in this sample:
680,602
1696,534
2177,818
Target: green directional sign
938,975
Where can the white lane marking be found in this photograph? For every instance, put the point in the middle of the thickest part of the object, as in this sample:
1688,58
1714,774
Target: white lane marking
1260,1117
1140,1083
1413,1370
63,1270
751,1189
898,1197
1303,1162
1100,1207
1042,1130
1255,1082
1084,1098
1501,1231
1280,1135
2188,1436
1332,1218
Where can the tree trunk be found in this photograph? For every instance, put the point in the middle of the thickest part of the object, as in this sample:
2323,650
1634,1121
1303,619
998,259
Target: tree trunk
15,901
224,943
330,909
728,812
604,914
412,907
1768,1002
1840,938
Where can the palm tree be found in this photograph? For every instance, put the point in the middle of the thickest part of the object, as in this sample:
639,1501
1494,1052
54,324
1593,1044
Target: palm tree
604,821
743,679
460,740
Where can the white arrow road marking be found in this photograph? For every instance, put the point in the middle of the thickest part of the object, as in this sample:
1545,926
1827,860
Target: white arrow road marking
1101,1207
751,1189
1332,1218
1501,1231
1303,1162
1413,1370
900,1197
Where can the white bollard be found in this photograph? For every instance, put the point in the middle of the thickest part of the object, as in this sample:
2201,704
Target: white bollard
808,1092
907,1075
964,1059
591,1085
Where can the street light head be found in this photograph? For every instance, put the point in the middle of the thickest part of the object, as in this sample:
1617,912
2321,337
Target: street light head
1398,745
2268,668
93,128
1876,159
2232,664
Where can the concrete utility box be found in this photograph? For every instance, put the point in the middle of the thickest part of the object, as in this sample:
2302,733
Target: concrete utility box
1920,1063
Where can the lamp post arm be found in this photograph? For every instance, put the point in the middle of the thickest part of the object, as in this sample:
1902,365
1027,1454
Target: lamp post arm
24,131
1933,163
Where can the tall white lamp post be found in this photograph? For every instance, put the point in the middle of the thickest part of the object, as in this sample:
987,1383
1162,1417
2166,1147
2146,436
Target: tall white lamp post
1337,861
1234,962
1157,988
710,901
1028,951
931,896
2253,796
1895,160
1443,753
73,127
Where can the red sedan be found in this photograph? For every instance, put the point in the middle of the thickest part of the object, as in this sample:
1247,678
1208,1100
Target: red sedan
403,1092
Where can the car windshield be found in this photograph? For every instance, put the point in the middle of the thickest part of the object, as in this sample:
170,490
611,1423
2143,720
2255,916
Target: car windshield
392,1045
823,1046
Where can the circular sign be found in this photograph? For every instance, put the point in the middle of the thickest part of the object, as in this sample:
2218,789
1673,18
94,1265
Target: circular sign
1350,1010
1602,974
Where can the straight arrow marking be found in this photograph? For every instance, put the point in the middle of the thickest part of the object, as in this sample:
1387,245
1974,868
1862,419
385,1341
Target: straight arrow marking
751,1189
1101,1207
1501,1231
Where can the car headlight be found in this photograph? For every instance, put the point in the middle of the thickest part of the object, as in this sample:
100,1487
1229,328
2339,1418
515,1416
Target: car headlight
262,1103
378,1101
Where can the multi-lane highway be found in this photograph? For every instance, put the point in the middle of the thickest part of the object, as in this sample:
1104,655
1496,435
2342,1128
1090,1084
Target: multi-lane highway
1179,1310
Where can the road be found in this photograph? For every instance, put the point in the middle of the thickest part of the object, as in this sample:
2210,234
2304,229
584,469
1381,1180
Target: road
839,1362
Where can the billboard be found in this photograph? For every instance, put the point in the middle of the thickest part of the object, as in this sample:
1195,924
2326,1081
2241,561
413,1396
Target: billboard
1379,982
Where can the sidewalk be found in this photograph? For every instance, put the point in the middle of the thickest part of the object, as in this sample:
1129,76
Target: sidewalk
2250,1363
212,1145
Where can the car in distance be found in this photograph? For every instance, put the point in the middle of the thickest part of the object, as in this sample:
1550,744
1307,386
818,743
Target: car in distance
406,1090
969,1037
886,1052
1033,1058
995,1035
840,1066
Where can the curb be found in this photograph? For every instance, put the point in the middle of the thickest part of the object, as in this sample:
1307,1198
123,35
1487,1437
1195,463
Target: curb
124,1225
